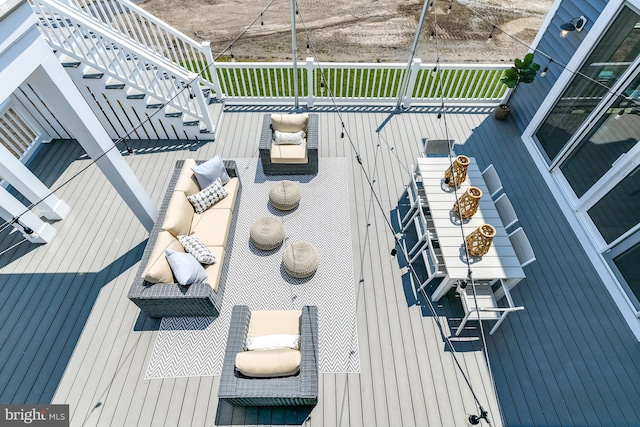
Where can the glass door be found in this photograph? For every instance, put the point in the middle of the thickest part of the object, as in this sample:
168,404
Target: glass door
623,260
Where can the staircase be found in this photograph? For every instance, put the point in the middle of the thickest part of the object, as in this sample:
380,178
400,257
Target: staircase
142,78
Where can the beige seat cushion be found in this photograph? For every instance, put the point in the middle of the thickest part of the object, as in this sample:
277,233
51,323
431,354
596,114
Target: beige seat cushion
187,180
289,122
281,362
214,270
270,322
229,202
158,269
212,226
296,154
179,214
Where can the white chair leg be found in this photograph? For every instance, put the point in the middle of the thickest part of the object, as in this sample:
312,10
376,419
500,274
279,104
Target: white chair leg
495,327
464,322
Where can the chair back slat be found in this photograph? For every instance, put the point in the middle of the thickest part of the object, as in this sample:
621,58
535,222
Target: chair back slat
505,211
522,247
437,147
492,180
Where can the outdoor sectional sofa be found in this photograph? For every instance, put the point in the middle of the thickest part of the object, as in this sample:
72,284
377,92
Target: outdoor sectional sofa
291,390
289,159
154,289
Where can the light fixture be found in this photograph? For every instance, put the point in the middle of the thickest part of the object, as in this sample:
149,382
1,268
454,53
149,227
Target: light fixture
491,34
544,71
576,24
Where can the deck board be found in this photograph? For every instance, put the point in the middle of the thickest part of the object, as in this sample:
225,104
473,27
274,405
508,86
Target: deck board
91,346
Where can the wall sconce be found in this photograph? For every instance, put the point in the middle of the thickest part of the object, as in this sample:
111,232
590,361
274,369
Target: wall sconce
576,24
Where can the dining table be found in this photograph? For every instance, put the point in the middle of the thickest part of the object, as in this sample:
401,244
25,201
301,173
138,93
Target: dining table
500,262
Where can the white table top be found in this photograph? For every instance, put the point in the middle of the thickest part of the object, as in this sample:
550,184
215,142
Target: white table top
501,261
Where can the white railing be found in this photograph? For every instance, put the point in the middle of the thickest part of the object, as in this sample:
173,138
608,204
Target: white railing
18,133
361,83
76,36
147,31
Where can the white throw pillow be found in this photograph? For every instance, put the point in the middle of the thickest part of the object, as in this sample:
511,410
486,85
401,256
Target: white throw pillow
207,172
186,269
288,138
208,197
272,342
195,247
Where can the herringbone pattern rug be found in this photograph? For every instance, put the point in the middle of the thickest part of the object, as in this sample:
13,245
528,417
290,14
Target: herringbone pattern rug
195,346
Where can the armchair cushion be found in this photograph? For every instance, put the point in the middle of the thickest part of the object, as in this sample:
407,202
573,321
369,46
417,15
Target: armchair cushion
289,122
281,362
294,154
288,138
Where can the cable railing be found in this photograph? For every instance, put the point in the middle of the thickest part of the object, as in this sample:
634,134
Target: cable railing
361,83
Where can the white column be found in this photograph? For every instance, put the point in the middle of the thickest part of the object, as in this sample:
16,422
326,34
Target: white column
70,108
12,208
23,180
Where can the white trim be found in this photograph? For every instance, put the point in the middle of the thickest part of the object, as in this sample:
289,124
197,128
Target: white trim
545,24
579,224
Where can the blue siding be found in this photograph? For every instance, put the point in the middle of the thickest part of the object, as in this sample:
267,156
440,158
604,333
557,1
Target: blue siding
528,97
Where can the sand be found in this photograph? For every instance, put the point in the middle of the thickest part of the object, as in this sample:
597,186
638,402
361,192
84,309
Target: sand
359,30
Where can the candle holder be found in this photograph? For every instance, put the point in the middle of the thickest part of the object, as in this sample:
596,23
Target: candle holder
467,205
457,173
479,241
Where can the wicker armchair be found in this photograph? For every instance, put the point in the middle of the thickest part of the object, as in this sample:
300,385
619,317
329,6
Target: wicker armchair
171,299
271,168
299,389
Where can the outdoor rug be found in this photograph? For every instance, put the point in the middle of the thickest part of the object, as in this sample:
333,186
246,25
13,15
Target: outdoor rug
195,346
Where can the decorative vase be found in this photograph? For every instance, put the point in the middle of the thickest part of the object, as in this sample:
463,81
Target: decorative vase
467,205
457,173
479,241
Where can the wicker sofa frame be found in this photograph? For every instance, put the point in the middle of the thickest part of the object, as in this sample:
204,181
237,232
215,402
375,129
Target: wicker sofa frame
266,139
297,390
171,299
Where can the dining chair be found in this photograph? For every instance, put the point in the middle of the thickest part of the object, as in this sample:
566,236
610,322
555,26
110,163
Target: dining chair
505,211
492,180
415,198
525,255
437,147
424,231
479,303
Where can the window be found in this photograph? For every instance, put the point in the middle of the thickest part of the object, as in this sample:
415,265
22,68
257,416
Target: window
619,210
617,131
614,53
628,269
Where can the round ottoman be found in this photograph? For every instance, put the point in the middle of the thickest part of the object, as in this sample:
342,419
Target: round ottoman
285,195
267,233
300,259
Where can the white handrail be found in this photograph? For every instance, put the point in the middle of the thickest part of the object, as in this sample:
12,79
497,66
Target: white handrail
129,21
76,36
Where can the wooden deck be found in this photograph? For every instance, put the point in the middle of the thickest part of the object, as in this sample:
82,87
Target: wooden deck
68,333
